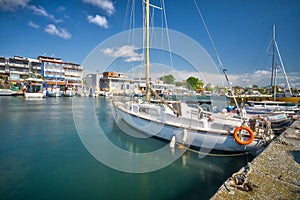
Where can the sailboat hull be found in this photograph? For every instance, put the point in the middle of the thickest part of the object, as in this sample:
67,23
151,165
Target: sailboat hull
245,99
189,136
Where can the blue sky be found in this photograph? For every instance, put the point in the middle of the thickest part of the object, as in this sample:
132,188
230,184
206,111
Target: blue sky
241,29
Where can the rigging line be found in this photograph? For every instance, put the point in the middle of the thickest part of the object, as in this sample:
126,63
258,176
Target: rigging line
209,35
144,25
218,57
126,14
211,154
131,29
282,66
162,35
154,38
152,27
154,6
168,36
132,22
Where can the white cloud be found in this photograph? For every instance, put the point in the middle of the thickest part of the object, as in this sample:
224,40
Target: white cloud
106,5
260,77
60,32
11,5
38,10
263,78
98,20
61,9
33,25
127,51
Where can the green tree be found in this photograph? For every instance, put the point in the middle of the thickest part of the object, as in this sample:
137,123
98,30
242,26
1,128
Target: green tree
179,83
167,79
255,86
194,83
83,81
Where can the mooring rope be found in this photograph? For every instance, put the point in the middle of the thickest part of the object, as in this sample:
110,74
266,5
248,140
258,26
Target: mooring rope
181,146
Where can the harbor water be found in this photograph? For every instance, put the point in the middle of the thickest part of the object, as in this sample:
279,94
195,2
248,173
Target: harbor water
43,157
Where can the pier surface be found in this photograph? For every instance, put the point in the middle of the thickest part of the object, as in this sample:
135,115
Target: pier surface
274,174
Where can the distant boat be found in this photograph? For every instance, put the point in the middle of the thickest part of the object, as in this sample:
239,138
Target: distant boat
55,93
69,93
6,92
272,107
108,94
177,122
34,95
34,89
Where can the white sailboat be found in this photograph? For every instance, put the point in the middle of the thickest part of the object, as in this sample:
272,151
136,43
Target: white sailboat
177,122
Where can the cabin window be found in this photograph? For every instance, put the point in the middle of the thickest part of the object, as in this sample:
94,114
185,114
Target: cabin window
148,111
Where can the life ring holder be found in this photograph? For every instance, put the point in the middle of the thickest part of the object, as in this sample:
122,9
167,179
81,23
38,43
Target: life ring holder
238,140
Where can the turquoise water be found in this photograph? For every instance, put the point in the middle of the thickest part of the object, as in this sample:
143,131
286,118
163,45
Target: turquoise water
42,157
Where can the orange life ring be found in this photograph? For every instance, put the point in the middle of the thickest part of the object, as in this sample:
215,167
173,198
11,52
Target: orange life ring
238,140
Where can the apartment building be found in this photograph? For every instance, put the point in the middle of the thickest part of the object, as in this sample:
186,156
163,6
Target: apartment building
18,68
118,83
55,71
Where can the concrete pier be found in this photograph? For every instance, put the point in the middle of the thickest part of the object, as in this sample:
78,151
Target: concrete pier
274,174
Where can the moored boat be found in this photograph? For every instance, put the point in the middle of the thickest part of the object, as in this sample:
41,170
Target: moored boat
6,92
33,88
176,121
69,93
34,95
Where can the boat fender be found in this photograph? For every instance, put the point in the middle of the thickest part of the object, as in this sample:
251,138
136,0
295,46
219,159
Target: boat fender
185,135
238,140
173,142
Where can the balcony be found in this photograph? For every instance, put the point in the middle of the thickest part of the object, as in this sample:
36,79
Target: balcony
72,74
54,76
19,72
18,65
73,78
54,70
36,67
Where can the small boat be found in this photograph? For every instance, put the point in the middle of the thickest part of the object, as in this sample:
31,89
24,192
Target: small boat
6,92
33,88
55,93
34,95
69,93
108,94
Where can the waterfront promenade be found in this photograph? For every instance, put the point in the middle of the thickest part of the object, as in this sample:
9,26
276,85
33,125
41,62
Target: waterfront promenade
274,174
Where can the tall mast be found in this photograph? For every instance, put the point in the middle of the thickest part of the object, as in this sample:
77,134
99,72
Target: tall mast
275,46
273,60
147,52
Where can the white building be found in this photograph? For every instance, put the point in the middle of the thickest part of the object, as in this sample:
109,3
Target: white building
117,83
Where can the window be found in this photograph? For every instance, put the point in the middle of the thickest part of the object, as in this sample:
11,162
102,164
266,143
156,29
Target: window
148,111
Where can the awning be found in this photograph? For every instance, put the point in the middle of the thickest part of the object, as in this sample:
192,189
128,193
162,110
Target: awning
56,83
34,79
